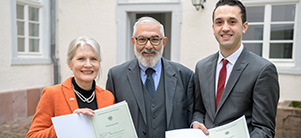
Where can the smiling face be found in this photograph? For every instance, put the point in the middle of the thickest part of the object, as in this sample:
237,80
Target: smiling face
228,27
147,54
85,65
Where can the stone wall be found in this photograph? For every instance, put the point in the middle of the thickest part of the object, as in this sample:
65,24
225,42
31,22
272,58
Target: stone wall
19,104
288,121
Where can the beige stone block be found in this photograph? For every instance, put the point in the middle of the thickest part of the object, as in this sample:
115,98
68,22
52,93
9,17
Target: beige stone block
19,104
33,97
288,121
6,104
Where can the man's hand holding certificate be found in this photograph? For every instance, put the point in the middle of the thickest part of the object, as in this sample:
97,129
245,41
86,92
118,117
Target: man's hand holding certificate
235,129
109,122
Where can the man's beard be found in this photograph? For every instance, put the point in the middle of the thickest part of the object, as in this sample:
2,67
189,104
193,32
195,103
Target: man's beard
149,61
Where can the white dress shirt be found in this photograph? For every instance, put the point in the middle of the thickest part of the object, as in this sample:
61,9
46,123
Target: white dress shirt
232,60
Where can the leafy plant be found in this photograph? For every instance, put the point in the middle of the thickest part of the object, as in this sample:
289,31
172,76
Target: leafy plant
296,104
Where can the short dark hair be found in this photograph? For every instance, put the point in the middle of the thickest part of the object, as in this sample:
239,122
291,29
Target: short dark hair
232,3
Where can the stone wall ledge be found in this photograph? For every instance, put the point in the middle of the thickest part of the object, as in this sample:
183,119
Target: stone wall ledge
288,121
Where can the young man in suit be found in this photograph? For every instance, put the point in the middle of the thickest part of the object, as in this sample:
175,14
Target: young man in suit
159,92
234,81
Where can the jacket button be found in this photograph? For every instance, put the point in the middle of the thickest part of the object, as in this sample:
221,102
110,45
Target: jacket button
144,132
215,124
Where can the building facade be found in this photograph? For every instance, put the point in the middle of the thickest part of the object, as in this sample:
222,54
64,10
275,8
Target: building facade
36,34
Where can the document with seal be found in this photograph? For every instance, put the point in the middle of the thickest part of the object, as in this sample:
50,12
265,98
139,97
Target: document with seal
113,121
235,129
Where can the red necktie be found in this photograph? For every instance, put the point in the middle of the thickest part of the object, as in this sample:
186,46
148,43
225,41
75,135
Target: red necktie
221,82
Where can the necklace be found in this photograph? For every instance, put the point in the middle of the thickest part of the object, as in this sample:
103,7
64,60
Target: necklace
83,98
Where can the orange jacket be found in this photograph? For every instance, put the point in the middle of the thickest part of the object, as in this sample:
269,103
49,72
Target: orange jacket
60,100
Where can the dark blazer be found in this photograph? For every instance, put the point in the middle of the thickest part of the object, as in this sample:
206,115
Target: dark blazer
125,83
252,90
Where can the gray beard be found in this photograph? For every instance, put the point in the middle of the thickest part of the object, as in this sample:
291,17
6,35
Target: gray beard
149,61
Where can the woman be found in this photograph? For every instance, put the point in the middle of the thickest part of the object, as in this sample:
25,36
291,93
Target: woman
77,94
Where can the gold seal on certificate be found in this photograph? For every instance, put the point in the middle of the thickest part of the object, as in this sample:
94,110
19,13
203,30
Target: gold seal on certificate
113,121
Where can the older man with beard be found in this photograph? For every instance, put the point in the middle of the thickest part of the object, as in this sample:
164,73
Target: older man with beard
159,92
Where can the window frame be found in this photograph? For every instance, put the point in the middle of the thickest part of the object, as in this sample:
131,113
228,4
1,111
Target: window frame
285,66
43,56
125,7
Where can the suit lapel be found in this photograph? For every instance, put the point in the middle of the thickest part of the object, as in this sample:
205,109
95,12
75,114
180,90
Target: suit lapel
170,82
211,80
134,79
237,70
69,94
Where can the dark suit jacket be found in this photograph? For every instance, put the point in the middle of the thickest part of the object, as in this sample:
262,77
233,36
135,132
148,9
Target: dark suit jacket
125,83
252,90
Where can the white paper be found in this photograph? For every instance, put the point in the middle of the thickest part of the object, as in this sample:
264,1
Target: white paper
72,126
235,129
109,122
113,121
185,133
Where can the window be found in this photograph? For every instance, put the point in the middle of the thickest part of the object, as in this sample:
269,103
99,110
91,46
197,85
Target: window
31,29
271,32
28,29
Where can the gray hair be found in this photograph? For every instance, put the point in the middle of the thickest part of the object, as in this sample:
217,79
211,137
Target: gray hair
81,42
148,20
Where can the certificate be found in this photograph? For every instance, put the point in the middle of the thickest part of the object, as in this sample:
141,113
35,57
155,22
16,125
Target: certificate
235,129
109,122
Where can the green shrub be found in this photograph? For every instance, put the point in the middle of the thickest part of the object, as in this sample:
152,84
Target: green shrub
296,104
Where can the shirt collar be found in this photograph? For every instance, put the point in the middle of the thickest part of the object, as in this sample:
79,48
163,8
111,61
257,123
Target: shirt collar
233,57
157,67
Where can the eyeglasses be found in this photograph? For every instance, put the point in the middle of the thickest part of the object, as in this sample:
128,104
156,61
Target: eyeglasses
154,40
